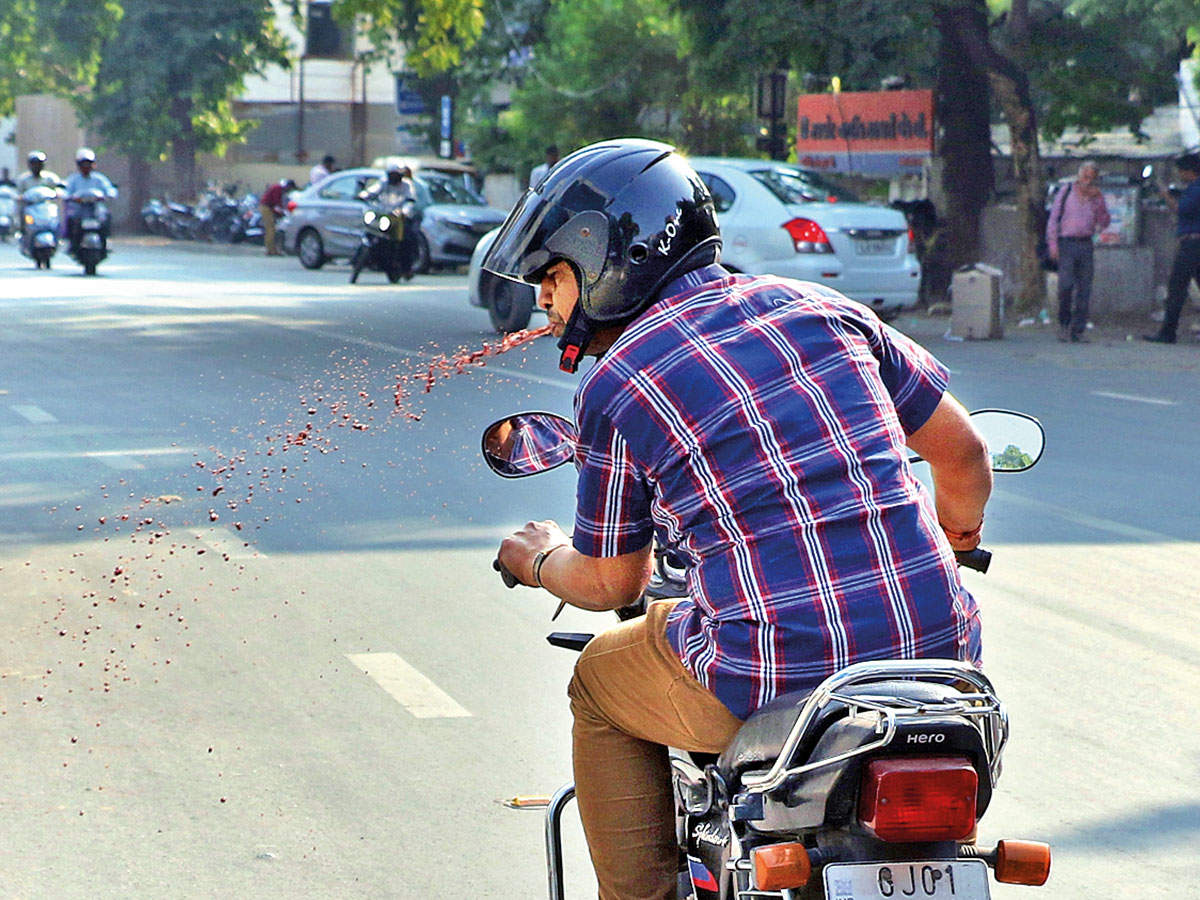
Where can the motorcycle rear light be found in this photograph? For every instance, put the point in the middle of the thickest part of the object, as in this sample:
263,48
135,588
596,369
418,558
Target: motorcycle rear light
1022,862
919,798
780,866
807,236
291,206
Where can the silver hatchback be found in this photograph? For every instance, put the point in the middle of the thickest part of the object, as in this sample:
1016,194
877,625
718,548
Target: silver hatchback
324,221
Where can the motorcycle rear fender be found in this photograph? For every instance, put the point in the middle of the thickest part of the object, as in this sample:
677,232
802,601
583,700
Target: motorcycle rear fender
828,796
45,239
92,240
707,848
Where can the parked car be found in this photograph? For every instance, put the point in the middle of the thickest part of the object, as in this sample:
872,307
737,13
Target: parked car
780,219
776,219
324,221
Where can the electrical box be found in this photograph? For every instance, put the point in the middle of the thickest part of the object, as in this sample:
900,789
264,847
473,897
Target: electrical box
976,306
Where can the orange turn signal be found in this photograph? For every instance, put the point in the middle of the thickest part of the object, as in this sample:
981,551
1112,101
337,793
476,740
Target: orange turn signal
780,866
1022,862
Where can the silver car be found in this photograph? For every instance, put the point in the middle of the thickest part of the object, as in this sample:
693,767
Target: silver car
324,221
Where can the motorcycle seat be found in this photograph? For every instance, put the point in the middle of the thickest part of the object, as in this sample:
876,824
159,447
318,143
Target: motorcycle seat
760,740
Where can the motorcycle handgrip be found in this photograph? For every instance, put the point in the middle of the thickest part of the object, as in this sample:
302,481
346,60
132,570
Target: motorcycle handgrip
977,559
510,580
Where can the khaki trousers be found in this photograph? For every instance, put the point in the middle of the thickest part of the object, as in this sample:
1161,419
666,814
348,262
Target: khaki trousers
631,698
268,221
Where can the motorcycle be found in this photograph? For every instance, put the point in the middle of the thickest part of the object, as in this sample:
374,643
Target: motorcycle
88,226
870,786
248,225
40,220
387,244
154,217
8,211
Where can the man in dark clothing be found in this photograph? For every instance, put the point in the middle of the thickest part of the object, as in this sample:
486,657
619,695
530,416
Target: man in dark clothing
1187,257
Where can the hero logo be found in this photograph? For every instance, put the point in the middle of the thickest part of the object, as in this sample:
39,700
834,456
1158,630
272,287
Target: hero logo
672,229
926,738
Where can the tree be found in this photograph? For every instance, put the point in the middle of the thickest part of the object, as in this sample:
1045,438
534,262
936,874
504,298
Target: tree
435,33
168,76
51,46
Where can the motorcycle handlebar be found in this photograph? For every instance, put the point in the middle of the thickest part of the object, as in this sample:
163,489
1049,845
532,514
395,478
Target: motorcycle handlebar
510,580
977,559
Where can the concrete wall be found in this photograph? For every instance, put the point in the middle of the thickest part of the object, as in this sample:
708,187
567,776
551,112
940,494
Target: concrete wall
1128,280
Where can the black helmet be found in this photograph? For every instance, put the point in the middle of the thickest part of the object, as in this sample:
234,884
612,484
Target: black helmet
629,215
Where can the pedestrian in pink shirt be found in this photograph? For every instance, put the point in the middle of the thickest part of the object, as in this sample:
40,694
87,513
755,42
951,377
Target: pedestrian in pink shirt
1077,214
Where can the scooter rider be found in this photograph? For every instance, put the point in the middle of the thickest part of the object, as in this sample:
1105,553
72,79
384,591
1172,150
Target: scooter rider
761,427
37,176
79,184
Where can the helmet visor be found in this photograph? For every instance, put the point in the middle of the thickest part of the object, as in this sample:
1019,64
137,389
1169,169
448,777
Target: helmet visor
519,253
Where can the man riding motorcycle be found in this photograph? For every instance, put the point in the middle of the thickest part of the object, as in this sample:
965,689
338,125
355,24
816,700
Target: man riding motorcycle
398,192
81,184
761,427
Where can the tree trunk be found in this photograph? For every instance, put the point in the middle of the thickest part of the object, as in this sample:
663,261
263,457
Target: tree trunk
183,148
139,190
963,147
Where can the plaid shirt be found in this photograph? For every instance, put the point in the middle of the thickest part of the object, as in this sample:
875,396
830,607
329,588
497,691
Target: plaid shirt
758,426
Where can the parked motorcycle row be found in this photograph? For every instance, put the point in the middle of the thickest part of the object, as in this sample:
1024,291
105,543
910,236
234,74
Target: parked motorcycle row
35,218
218,215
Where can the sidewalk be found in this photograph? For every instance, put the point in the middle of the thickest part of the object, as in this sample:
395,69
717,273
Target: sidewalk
1113,344
209,247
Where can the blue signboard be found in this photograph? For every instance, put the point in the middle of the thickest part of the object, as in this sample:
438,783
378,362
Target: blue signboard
408,102
447,117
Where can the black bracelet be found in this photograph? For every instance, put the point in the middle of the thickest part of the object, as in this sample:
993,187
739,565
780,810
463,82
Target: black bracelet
540,558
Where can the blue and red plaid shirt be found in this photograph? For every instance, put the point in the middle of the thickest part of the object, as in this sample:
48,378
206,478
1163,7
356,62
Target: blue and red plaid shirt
758,425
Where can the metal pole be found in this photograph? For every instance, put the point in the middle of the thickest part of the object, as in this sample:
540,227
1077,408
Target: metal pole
554,860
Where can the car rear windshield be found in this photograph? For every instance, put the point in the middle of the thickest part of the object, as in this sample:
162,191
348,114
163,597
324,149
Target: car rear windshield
798,186
449,190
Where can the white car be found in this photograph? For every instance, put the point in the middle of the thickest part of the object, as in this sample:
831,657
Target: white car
776,219
508,303
779,219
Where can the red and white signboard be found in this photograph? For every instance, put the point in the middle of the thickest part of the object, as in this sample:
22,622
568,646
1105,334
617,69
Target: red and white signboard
869,133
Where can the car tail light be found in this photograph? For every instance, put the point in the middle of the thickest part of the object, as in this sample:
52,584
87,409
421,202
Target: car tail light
807,236
291,205
1022,862
912,238
780,866
920,798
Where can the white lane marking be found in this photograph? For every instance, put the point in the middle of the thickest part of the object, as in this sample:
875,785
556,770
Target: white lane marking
35,415
425,354
116,461
97,454
414,691
1134,398
226,542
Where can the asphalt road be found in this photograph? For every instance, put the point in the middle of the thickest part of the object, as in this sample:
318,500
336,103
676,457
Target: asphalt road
253,645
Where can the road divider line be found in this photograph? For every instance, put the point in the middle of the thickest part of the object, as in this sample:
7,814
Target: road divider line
1135,398
35,415
414,691
227,543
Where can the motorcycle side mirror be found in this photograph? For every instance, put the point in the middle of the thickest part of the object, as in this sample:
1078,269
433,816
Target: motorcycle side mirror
1015,440
1147,171
528,443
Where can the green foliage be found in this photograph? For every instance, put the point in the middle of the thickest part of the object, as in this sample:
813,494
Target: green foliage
610,68
436,33
1090,70
51,46
170,72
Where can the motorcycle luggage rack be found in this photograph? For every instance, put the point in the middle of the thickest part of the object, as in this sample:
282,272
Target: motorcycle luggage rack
982,708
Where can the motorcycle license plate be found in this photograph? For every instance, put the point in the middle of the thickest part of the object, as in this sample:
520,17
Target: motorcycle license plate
874,246
962,879
90,223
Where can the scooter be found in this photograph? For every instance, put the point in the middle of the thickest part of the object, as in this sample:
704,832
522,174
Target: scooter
40,218
89,226
868,787
386,244
8,211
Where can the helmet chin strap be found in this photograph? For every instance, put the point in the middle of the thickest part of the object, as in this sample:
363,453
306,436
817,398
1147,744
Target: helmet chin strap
575,340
